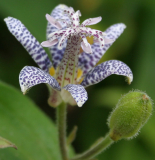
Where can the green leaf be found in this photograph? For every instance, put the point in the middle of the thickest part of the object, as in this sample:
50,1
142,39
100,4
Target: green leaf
24,124
4,143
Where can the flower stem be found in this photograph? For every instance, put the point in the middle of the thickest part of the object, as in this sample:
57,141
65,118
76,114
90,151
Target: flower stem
96,149
61,123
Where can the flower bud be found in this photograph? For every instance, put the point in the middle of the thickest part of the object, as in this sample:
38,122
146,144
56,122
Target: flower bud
131,113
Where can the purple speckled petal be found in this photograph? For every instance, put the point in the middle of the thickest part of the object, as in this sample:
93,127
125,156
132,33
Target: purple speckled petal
106,69
78,93
88,61
58,13
29,42
31,76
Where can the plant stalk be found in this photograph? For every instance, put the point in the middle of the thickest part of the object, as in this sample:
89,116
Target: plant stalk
61,124
96,149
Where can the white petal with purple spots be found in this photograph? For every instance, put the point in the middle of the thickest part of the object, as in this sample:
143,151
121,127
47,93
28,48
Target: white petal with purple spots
31,76
106,69
78,93
29,42
88,61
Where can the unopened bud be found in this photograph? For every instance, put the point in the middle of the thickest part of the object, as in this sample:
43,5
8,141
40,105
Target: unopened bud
131,113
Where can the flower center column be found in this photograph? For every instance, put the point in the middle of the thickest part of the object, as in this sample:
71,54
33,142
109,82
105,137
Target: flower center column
67,73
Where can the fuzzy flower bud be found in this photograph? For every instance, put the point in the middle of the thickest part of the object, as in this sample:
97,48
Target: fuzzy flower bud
131,113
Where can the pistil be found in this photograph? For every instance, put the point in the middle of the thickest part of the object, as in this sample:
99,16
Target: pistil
69,64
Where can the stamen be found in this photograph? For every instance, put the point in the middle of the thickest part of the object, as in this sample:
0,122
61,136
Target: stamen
52,71
64,21
91,21
79,73
80,81
51,20
75,29
56,34
49,43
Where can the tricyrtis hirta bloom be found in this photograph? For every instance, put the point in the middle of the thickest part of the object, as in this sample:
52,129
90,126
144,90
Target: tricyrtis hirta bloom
70,70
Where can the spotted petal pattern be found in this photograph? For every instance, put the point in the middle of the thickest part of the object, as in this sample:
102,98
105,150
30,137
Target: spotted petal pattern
58,13
78,93
31,76
29,42
88,61
106,69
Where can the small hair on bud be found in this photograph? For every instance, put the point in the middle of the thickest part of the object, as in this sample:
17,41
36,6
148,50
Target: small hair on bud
131,113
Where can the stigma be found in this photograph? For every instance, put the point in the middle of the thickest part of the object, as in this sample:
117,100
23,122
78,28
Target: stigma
74,28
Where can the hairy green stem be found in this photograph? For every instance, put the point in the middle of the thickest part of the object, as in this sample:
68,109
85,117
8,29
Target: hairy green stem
61,123
96,149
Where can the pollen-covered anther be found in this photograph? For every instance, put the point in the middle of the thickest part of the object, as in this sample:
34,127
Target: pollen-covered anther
52,71
79,73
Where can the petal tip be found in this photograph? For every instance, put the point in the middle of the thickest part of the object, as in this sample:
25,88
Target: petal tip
49,44
80,103
43,44
24,93
123,25
47,14
23,89
129,79
7,19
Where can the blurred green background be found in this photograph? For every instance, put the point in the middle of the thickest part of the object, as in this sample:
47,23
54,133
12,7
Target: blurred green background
135,47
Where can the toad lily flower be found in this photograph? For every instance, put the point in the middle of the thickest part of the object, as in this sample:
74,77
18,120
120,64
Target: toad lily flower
71,71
